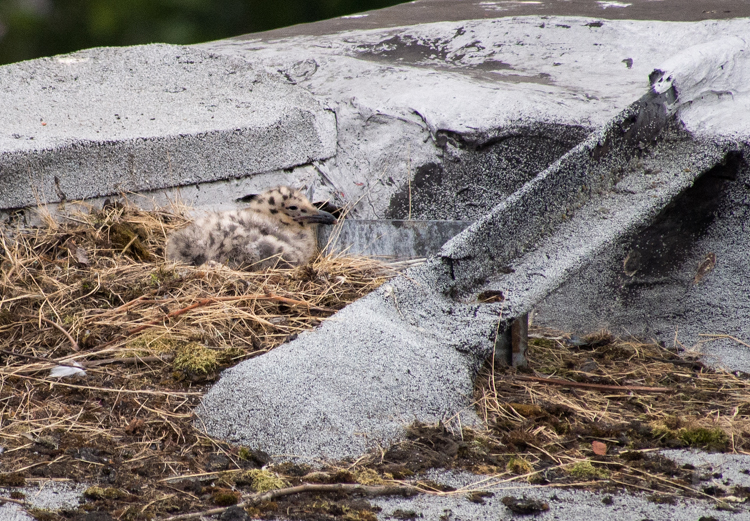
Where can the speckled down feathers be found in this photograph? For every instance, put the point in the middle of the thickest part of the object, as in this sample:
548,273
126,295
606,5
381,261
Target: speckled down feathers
267,234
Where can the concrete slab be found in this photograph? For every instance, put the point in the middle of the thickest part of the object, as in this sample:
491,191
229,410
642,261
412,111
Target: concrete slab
106,121
461,114
470,110
428,11
503,119
359,380
563,504
410,350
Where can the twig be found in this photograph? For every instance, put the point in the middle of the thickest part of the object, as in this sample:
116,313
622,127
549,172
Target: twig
293,302
92,363
21,297
128,360
38,359
730,337
202,476
308,487
105,390
16,501
599,387
129,304
73,343
213,300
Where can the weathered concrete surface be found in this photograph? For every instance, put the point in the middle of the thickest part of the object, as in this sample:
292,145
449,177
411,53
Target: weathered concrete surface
573,505
437,104
403,353
681,278
610,186
650,284
106,121
469,110
409,351
429,11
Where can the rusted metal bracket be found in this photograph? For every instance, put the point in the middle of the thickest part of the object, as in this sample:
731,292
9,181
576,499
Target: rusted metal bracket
514,341
519,341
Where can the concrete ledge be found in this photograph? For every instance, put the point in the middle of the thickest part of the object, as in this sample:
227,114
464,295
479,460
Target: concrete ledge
105,121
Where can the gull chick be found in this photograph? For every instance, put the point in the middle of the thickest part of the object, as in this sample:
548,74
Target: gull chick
277,229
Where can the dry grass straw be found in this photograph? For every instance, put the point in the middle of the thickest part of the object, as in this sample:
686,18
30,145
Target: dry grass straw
604,434
95,290
103,280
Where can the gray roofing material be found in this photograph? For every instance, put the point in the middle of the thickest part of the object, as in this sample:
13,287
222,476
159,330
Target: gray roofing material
116,120
424,102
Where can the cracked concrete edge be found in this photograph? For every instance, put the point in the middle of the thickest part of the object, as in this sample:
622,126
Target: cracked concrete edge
148,117
342,377
343,389
420,313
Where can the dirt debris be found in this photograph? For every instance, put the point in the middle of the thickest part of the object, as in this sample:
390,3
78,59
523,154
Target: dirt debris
152,336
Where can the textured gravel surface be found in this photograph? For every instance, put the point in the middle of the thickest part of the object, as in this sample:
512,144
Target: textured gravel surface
112,120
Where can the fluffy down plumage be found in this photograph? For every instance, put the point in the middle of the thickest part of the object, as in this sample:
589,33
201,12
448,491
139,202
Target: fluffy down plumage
278,229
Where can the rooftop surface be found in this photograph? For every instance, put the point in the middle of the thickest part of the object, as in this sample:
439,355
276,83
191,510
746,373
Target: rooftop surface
357,108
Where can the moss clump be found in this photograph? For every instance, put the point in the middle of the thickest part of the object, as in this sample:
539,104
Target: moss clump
663,433
151,343
258,457
225,497
261,480
701,437
196,359
585,470
105,493
519,466
245,454
368,477
674,431
42,514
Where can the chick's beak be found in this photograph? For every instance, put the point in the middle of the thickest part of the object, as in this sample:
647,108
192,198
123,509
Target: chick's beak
318,218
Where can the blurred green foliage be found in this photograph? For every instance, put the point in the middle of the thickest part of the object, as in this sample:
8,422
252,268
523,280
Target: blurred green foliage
34,28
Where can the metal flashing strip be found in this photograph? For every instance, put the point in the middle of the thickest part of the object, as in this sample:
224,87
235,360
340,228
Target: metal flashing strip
391,239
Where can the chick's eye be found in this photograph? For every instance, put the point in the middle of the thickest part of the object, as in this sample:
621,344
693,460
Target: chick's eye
303,211
292,207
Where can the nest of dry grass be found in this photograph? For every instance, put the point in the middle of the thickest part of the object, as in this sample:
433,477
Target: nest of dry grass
596,412
94,291
102,279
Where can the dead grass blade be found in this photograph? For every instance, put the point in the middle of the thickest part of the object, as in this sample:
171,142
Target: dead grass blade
151,335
